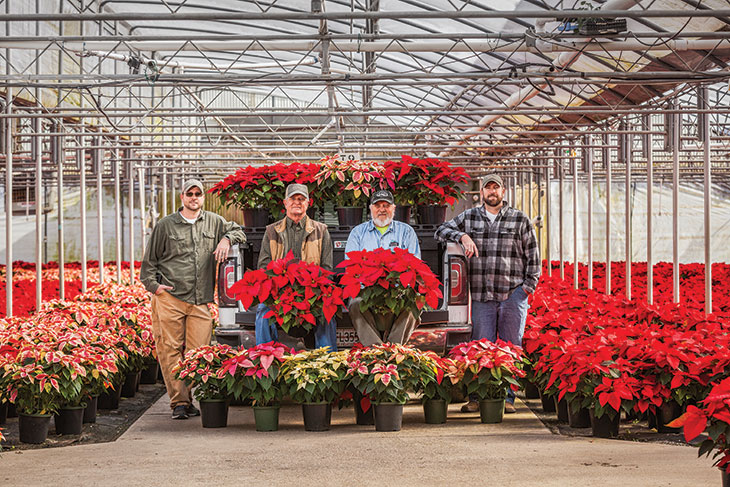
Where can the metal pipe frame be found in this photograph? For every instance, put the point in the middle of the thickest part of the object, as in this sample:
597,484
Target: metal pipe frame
625,156
574,168
81,161
676,147
649,215
588,155
548,214
561,182
607,163
705,121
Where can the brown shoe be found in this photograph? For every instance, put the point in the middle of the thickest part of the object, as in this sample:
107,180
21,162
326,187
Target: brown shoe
470,407
509,408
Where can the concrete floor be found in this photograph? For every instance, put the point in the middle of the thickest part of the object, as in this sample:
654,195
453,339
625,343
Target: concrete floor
520,451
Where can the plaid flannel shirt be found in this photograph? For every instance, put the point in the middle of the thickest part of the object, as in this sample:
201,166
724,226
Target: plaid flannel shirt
508,253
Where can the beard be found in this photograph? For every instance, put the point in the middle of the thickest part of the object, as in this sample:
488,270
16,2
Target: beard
383,221
492,200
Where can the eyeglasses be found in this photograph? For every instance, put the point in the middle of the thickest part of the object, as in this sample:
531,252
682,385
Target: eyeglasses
190,194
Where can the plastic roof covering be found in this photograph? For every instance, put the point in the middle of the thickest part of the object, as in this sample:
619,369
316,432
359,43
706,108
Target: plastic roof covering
439,94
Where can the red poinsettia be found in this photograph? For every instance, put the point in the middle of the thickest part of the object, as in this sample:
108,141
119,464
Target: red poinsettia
297,293
490,368
389,281
264,186
426,181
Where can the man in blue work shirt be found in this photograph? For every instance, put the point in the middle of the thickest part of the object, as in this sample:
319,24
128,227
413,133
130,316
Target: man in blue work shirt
382,232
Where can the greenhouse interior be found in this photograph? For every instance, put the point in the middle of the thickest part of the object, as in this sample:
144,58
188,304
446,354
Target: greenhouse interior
550,286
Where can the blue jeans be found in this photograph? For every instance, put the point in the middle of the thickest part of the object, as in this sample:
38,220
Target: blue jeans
501,319
325,335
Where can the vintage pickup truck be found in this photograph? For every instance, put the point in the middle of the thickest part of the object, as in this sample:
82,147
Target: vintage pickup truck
440,330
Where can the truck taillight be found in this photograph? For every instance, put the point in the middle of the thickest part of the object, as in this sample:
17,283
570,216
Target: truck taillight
458,286
226,278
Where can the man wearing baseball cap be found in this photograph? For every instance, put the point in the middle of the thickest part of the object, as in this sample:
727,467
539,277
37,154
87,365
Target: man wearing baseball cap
309,241
179,267
504,267
382,232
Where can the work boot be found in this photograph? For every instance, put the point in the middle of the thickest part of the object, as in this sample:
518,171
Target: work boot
509,408
470,407
192,410
180,412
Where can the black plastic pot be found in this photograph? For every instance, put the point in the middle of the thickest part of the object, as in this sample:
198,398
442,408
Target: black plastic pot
214,413
605,427
255,217
403,214
33,428
580,418
149,374
12,410
69,421
129,388
363,418
110,398
388,416
561,407
317,416
266,418
435,411
431,214
491,410
665,414
349,216
548,404
531,390
90,410
3,412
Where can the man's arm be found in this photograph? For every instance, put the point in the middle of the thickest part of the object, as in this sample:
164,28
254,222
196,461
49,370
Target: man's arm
326,260
233,232
353,241
412,243
265,252
148,271
453,231
533,266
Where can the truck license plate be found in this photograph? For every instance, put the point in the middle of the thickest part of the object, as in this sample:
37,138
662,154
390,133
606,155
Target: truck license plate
346,337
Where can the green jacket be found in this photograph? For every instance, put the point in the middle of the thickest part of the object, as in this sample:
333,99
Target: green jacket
181,255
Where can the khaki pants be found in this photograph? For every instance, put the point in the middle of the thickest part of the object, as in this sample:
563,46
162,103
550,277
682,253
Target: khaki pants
177,327
374,329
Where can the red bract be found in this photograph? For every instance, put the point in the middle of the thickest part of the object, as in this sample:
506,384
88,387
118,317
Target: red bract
297,293
264,186
426,181
389,281
254,373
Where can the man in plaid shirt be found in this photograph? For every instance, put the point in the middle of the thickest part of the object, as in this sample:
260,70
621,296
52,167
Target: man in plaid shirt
504,266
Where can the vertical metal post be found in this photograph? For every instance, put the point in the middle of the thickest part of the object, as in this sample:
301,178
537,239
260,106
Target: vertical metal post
61,155
164,191
708,199
574,168
130,196
36,141
588,158
523,193
648,125
607,163
561,181
625,154
173,199
81,164
99,160
675,206
8,189
529,192
548,214
37,149
142,209
117,212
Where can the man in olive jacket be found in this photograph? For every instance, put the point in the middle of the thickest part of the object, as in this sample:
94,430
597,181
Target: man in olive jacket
179,267
309,241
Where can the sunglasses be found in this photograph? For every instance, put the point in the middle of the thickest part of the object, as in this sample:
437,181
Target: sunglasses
190,194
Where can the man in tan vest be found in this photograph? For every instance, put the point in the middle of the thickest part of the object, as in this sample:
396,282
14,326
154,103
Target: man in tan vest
309,241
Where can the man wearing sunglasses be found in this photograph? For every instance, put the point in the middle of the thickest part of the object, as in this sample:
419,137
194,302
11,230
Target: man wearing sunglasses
179,267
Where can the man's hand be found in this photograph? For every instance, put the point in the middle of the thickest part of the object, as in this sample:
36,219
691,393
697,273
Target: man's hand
162,288
470,248
221,251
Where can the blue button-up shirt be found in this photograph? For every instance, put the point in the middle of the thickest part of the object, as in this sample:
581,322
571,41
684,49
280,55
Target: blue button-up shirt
366,236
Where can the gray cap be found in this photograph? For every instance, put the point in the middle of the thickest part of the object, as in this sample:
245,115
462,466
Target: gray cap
295,188
382,195
192,183
492,178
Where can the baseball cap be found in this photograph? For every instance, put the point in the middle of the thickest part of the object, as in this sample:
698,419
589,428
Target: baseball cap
192,183
295,188
382,195
492,178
